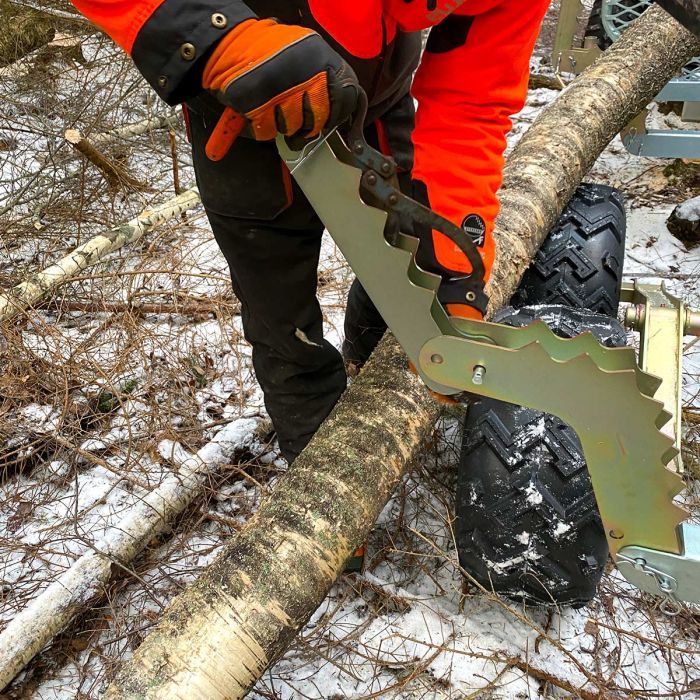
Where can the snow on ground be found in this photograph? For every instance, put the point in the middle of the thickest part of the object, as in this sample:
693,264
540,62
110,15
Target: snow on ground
90,399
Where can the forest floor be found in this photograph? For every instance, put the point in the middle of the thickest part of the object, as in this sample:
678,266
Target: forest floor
95,387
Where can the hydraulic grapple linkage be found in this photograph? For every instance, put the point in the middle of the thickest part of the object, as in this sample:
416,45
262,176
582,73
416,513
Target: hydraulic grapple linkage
353,189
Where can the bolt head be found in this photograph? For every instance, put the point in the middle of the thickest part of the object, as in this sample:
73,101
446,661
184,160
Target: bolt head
437,359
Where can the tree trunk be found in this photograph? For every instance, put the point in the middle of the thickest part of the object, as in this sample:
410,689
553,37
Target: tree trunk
30,29
49,613
216,639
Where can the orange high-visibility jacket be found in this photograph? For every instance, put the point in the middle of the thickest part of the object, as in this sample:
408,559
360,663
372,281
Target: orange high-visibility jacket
472,77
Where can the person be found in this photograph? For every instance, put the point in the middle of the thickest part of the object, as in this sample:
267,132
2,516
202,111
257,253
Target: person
296,67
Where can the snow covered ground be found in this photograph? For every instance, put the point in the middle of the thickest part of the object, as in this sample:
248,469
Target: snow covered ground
91,400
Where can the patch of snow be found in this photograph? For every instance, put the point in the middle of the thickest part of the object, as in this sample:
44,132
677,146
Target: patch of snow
532,495
689,210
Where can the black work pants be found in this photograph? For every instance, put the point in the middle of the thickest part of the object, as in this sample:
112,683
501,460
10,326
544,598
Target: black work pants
271,238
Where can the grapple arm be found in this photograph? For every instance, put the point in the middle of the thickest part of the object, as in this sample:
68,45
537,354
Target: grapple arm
612,409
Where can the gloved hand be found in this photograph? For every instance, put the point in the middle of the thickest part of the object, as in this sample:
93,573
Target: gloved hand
280,78
453,283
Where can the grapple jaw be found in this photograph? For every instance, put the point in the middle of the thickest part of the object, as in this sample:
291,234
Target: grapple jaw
602,393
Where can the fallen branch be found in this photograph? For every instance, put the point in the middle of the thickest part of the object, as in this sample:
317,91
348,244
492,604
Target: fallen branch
548,82
546,677
115,174
196,308
49,613
217,638
41,283
136,129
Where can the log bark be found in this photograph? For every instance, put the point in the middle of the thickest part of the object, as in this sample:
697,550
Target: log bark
41,283
24,30
85,580
217,638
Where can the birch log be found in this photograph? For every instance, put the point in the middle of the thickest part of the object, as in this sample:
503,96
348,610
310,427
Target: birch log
68,595
217,638
41,283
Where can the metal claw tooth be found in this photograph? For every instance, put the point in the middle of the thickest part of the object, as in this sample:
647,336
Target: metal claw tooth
648,384
676,485
409,243
669,455
663,418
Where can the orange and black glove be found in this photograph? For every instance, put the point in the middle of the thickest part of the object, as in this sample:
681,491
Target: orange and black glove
277,78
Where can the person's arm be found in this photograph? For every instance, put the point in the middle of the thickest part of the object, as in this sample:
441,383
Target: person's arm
472,79
167,38
271,77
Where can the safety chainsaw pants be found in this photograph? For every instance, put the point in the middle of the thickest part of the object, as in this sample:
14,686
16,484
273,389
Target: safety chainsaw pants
271,239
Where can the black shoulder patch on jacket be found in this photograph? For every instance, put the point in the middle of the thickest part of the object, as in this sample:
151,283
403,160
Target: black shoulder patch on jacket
157,50
450,34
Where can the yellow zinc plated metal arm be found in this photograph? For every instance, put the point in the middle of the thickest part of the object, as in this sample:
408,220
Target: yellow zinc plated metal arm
600,392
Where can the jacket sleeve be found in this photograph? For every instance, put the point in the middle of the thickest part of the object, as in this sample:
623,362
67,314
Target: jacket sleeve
472,79
167,38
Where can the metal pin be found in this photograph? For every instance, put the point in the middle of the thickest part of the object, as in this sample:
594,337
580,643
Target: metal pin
478,375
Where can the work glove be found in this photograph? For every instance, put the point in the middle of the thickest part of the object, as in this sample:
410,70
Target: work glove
277,78
452,286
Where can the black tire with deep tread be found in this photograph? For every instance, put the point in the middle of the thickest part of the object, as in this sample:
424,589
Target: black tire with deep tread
527,524
580,262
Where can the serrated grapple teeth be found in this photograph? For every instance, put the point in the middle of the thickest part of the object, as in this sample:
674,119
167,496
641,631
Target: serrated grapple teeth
663,418
648,383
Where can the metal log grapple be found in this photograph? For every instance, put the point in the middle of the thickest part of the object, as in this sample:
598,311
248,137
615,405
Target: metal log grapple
626,411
